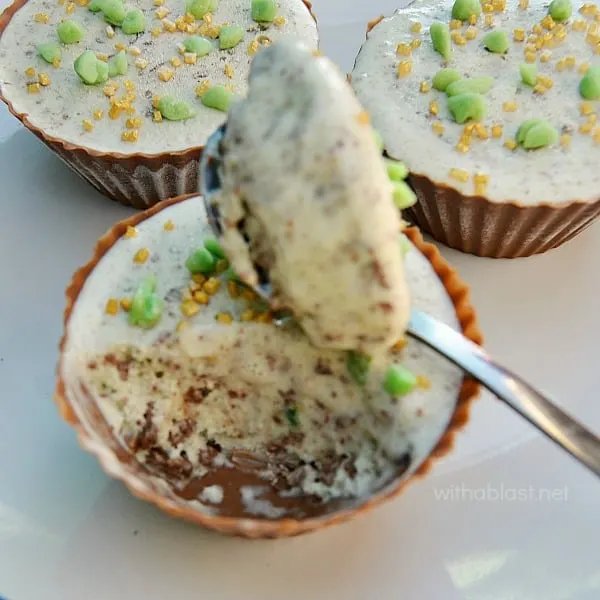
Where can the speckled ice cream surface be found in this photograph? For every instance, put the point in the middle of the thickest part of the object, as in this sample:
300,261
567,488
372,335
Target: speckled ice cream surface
413,424
60,108
401,112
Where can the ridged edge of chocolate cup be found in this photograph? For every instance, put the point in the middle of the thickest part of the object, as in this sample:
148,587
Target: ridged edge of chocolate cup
256,528
139,180
476,225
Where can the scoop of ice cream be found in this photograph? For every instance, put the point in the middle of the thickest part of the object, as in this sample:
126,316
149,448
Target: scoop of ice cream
307,203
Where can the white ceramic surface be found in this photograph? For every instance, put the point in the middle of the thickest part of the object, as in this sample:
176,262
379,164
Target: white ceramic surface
506,517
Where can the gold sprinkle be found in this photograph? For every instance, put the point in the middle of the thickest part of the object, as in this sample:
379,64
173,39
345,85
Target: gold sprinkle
561,65
157,116
141,63
141,256
545,56
519,34
510,144
588,9
44,79
161,12
98,114
510,106
488,20
497,131
176,62
404,68
164,73
211,286
279,21
159,2
125,304
30,72
537,28
565,140
523,4
131,232
247,315
202,88
189,58
545,81
131,135
583,68
87,125
112,307
586,128
547,22
264,317
592,118
228,70
253,47
596,135
133,123
134,51
424,87
70,8
168,25
481,181
538,88
156,31
129,85
458,38
473,20
110,90
155,101
488,7
189,308
579,25
114,112
400,345
189,18
423,382
181,325
363,118
110,32
416,27
201,297
41,18
102,56
530,57
403,49
434,109
455,24
198,278
586,108
481,131
224,318
415,44
471,33
33,88
459,174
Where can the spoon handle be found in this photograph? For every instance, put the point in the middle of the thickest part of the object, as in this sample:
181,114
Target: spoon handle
541,412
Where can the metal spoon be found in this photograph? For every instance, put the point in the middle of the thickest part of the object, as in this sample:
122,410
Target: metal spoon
540,411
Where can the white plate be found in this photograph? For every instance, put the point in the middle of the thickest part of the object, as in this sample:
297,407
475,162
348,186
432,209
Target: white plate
506,517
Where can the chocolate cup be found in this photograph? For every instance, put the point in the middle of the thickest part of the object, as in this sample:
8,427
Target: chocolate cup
80,411
476,225
139,180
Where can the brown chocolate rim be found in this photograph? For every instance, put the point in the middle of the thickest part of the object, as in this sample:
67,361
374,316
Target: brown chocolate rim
255,528
478,198
5,18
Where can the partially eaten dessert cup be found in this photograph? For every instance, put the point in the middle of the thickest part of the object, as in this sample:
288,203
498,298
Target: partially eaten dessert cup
177,380
126,94
492,106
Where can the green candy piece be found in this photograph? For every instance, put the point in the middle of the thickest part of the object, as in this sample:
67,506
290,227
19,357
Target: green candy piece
264,11
198,8
217,97
102,70
528,73
96,5
70,32
118,64
197,45
175,110
560,10
213,246
231,36
201,261
86,66
378,140
589,86
396,170
475,85
496,42
441,40
49,52
443,78
538,134
524,127
134,22
399,381
230,274
463,9
466,107
146,307
405,245
292,416
358,366
403,195
114,11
